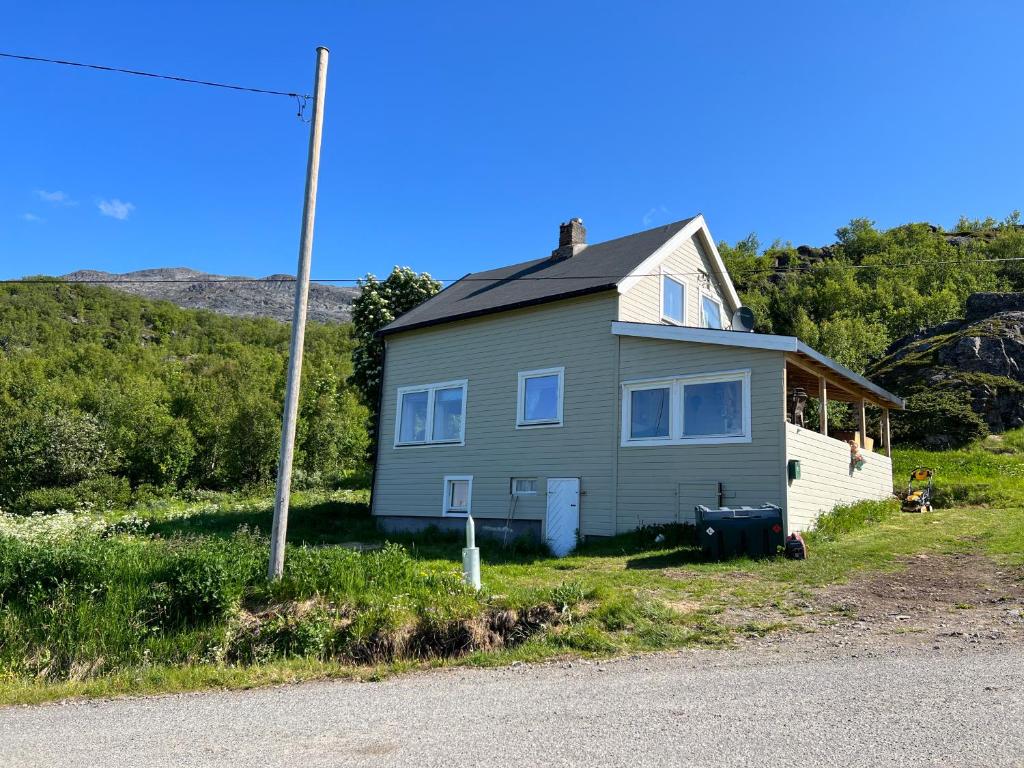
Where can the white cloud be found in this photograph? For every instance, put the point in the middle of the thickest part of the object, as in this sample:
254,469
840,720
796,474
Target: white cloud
655,213
31,217
115,208
57,198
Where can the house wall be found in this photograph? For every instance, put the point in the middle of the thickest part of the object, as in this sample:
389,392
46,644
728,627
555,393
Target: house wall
661,484
642,302
827,478
489,352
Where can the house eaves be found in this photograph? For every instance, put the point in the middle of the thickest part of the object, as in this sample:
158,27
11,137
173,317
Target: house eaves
789,344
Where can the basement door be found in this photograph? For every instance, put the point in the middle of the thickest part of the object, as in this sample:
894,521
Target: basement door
562,524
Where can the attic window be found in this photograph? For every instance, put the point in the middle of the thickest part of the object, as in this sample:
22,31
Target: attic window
710,311
673,300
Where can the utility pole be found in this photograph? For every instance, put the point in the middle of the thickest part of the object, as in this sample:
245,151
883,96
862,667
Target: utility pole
291,397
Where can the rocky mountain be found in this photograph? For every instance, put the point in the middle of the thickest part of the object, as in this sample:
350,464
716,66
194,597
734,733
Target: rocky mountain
271,296
963,376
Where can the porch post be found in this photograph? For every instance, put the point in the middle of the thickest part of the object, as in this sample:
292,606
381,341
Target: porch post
862,421
822,405
785,395
886,440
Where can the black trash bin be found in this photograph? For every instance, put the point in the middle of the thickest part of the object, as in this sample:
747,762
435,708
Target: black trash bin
736,531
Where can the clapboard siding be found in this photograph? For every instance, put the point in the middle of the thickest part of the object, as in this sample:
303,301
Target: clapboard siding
660,484
642,302
827,478
489,352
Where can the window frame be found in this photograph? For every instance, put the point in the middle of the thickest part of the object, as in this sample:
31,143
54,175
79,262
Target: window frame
514,492
521,421
676,385
646,386
445,495
664,275
721,311
431,390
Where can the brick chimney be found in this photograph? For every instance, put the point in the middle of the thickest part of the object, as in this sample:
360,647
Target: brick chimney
572,238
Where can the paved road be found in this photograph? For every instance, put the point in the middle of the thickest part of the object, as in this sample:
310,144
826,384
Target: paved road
731,708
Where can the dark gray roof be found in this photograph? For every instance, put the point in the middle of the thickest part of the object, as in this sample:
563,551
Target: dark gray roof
598,267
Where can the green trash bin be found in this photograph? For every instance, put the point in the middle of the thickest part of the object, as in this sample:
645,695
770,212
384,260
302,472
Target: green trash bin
737,531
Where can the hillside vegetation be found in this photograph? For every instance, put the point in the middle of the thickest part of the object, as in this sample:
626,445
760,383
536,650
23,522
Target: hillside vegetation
104,396
853,299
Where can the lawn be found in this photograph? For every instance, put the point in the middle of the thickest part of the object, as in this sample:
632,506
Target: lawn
171,596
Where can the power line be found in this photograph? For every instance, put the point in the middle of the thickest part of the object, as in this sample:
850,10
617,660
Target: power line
472,278
138,73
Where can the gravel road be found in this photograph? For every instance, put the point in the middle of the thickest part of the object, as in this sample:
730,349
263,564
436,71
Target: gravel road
749,707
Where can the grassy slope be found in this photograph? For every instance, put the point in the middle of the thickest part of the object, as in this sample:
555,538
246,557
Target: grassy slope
621,595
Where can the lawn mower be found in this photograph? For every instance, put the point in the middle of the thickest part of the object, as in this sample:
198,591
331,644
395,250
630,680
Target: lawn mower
919,491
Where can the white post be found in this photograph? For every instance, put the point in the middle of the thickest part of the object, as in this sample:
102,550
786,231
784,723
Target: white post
822,405
886,437
291,399
862,422
471,556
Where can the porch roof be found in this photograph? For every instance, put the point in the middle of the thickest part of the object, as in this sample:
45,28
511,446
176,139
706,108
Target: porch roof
812,361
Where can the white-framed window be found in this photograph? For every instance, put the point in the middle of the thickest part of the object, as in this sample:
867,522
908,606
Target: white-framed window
458,495
524,486
673,300
539,399
710,311
702,409
431,414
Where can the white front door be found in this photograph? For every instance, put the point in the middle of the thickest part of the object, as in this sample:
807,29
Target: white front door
563,521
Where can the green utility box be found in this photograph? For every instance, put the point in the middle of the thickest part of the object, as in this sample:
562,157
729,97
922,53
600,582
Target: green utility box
737,531
793,469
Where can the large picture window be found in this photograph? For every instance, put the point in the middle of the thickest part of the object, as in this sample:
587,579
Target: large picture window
682,410
432,414
539,402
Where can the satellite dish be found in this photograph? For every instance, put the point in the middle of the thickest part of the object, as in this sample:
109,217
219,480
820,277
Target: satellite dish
743,319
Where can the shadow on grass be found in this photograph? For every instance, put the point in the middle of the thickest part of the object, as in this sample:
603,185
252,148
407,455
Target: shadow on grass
321,523
333,523
675,559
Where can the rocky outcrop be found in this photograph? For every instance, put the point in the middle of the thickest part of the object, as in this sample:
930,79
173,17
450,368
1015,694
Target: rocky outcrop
972,368
983,305
271,296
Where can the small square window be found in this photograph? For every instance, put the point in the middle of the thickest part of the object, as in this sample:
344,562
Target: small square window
458,494
524,486
539,401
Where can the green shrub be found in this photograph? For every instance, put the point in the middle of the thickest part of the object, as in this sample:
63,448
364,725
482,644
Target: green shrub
938,419
206,582
849,517
101,492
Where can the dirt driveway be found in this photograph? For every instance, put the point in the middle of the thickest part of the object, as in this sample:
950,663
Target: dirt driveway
937,602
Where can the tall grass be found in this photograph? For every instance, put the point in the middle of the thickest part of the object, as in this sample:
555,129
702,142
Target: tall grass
85,601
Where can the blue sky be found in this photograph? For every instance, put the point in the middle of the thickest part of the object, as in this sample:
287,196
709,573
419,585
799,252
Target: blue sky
458,135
